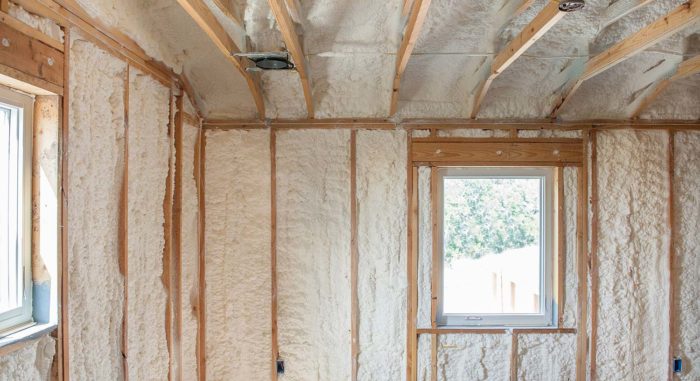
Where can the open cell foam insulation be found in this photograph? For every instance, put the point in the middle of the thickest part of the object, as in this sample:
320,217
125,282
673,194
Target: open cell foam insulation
633,255
687,264
381,224
190,253
238,277
313,254
474,357
149,151
473,133
95,170
31,362
571,248
546,357
42,24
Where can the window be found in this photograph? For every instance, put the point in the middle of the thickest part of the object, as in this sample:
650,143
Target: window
15,210
496,237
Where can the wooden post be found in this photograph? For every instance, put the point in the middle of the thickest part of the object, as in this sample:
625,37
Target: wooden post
561,247
166,277
273,252
582,264
64,371
354,255
201,222
434,270
124,231
514,357
594,253
672,287
177,238
412,266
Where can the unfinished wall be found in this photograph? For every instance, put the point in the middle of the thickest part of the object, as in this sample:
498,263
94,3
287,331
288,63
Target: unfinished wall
31,362
313,253
474,357
238,255
546,357
95,168
687,264
382,210
633,255
190,252
149,151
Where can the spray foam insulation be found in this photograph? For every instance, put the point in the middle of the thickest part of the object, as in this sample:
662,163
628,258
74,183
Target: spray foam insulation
687,263
633,255
546,357
31,362
149,151
425,248
571,247
479,357
313,254
190,253
95,170
238,280
382,210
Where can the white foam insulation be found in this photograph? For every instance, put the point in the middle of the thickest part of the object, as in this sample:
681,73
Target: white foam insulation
687,264
571,247
95,170
425,248
313,254
190,253
42,24
479,357
31,362
382,211
633,256
238,277
149,151
546,357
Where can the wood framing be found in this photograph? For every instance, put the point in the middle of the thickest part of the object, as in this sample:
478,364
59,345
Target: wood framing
494,331
685,69
4,5
498,151
676,20
167,276
354,258
561,247
514,357
672,276
522,7
23,28
31,56
273,256
230,11
202,15
435,274
177,238
417,16
63,275
293,43
582,265
595,218
542,23
124,230
412,268
202,282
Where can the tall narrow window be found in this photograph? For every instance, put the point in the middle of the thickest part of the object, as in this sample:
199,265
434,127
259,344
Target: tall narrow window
496,240
15,210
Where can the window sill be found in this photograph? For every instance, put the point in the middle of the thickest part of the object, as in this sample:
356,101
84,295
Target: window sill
19,339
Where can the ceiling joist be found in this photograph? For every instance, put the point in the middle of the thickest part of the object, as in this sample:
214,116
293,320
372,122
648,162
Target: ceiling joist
685,69
228,9
291,39
543,22
660,29
210,25
419,12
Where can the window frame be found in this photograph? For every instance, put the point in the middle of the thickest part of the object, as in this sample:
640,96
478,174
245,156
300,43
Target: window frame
548,313
22,317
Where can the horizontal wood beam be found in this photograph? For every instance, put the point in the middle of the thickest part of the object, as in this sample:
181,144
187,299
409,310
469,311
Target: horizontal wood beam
418,14
492,331
206,20
543,22
498,152
291,39
686,68
673,22
30,56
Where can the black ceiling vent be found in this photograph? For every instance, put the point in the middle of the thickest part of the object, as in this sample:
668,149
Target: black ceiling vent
268,61
571,5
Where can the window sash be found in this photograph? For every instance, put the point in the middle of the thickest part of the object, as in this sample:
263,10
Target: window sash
546,317
15,208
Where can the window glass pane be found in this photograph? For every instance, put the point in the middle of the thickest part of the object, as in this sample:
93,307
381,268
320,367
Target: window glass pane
492,245
10,265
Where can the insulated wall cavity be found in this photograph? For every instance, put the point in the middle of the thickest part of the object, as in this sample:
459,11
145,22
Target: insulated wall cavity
190,252
381,223
570,299
31,362
633,255
478,357
149,151
687,263
238,280
313,254
94,177
546,357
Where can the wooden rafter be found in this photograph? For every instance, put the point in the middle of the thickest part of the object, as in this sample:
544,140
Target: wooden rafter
406,8
660,29
227,8
206,20
543,22
291,39
685,69
620,9
522,7
294,8
418,13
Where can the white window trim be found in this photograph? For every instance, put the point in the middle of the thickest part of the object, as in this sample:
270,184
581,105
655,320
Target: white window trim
547,317
21,317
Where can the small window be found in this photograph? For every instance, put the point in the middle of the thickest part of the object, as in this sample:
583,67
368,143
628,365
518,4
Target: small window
15,210
496,239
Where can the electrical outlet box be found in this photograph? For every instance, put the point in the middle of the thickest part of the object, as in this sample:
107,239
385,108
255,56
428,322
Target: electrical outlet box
677,365
280,366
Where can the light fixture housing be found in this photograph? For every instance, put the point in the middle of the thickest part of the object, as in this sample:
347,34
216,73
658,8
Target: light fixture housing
268,61
571,5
